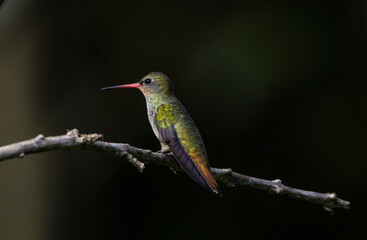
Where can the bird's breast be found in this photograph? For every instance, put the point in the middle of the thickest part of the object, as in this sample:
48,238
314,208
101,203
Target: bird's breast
152,113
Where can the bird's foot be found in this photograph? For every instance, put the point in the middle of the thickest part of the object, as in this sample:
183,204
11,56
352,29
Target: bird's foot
164,151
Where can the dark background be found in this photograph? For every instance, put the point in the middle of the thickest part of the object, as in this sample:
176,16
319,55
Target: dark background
277,90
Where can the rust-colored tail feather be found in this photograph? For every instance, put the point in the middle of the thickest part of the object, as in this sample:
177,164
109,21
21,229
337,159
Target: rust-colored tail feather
209,179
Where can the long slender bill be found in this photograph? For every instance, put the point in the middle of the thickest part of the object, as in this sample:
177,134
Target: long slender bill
132,85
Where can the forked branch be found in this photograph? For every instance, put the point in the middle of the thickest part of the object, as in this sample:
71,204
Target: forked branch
138,157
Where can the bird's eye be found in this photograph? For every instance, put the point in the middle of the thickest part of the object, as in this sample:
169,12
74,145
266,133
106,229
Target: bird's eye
147,81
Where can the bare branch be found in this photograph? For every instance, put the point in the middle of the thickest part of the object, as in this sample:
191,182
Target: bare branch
73,140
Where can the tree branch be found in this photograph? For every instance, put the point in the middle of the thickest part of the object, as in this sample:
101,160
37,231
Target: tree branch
138,157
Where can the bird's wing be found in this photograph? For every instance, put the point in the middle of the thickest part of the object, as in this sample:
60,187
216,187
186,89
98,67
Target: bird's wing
194,163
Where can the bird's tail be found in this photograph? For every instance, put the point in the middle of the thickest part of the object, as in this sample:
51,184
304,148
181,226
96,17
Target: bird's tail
209,179
195,165
202,166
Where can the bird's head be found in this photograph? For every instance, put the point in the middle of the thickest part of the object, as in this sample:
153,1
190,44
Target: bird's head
152,84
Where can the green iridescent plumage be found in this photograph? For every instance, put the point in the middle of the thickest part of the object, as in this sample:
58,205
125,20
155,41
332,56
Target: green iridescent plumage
174,128
175,116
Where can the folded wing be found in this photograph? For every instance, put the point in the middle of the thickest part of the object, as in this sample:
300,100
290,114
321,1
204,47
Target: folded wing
193,162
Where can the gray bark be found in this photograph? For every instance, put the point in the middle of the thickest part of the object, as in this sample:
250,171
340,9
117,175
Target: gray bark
138,157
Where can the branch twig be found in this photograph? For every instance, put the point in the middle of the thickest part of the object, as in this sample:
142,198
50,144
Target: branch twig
137,157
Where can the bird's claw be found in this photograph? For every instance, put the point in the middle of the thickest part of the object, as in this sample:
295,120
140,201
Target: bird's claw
165,152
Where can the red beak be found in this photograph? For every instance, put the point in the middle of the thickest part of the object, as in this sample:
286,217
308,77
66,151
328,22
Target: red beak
132,85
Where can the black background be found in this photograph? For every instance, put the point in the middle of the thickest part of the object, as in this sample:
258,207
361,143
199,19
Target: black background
277,90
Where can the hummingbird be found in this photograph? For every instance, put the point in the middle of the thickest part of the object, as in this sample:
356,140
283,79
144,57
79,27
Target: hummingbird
174,128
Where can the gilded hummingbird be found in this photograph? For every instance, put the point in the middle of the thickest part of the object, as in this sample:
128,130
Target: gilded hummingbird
173,126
